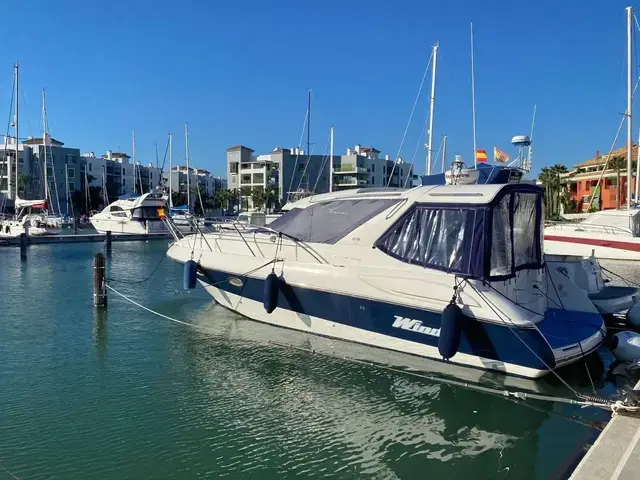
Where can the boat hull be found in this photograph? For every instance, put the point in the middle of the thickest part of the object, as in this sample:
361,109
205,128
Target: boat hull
126,226
400,328
604,247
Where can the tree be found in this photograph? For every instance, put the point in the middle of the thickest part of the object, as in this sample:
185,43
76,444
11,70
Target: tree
618,164
23,181
245,192
549,183
258,197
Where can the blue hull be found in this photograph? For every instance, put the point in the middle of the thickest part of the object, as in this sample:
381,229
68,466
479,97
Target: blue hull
485,340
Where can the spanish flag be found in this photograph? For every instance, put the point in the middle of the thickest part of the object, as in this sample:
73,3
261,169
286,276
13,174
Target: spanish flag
161,213
481,155
500,156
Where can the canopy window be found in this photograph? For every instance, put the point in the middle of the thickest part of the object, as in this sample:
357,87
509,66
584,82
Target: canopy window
329,222
489,241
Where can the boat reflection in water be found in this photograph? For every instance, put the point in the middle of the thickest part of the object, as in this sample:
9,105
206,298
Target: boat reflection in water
346,416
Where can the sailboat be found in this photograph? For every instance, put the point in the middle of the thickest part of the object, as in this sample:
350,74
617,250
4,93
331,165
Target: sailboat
31,216
608,234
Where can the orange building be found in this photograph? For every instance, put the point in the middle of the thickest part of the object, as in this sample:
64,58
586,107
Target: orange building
583,179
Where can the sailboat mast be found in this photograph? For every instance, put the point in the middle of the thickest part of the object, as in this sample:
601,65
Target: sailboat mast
629,101
432,101
638,170
444,152
473,100
66,184
331,161
16,66
186,153
44,146
171,170
309,124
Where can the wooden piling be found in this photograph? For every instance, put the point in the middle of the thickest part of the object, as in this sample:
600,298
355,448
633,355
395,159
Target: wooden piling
99,280
75,225
23,246
108,239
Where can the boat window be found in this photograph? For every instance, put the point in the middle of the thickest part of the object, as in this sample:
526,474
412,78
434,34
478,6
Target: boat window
440,238
116,208
501,252
328,222
490,241
145,213
117,211
525,245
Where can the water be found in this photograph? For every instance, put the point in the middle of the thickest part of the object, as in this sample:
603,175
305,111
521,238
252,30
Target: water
126,394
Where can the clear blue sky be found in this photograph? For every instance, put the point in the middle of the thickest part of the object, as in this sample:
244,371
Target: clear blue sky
238,72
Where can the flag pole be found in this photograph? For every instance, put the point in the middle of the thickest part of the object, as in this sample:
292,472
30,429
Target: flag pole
473,101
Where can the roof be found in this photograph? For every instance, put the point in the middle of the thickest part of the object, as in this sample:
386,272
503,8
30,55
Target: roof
237,148
599,160
116,155
369,149
39,141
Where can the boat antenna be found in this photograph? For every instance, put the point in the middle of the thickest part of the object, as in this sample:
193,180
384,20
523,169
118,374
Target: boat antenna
473,101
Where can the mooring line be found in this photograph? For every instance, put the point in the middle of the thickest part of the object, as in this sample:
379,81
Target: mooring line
10,473
612,406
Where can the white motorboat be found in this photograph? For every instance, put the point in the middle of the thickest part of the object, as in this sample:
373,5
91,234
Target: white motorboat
132,214
450,272
587,274
32,218
609,234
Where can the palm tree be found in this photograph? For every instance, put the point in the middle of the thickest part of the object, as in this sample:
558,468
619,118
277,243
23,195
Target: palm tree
23,181
258,197
559,170
618,164
548,179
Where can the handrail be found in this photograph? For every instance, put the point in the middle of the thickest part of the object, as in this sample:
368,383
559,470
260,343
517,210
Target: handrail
584,227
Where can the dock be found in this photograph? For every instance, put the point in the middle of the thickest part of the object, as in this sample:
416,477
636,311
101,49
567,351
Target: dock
83,238
615,455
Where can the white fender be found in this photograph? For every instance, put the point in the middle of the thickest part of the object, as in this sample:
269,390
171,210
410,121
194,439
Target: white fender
626,346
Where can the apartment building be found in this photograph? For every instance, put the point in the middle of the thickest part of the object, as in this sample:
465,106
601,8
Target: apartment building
63,163
289,173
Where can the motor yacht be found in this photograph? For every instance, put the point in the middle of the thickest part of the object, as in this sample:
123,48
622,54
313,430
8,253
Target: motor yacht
132,214
451,272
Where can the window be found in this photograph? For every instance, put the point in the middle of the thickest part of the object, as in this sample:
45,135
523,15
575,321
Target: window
71,172
145,213
441,238
516,242
301,166
117,211
373,168
373,180
233,167
90,166
491,241
525,247
124,171
124,181
502,255
329,222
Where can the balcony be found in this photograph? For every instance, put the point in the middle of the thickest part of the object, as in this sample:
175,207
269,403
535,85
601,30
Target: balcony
347,168
349,182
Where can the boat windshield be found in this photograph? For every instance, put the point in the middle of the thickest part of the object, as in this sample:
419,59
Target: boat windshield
145,213
483,241
328,222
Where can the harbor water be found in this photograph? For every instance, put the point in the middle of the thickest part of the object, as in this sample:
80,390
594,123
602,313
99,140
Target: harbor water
123,393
